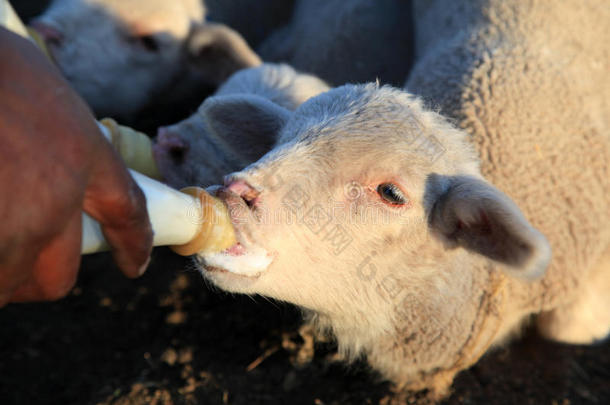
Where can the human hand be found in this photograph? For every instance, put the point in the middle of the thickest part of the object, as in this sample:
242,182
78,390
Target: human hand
55,164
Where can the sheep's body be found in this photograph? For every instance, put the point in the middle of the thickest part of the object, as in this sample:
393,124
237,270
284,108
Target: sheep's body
529,82
206,155
345,41
255,20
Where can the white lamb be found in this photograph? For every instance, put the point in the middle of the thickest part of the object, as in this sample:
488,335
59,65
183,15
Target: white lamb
387,224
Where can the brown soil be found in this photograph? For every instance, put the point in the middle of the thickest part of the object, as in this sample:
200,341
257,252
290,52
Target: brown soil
167,338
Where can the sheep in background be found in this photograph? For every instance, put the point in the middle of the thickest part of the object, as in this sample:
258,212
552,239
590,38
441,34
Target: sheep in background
346,41
530,79
137,60
122,55
195,152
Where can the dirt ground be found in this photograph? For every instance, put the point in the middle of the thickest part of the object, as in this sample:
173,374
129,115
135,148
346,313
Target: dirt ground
168,338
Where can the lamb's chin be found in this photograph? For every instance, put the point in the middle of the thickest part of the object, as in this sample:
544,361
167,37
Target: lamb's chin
236,272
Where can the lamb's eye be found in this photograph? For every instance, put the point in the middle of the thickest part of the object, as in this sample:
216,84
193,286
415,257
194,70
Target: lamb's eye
392,194
149,42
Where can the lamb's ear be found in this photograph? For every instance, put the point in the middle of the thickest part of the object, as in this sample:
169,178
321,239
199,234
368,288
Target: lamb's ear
217,51
471,213
247,124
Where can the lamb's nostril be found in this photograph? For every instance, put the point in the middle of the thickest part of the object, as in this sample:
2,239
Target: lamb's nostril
172,143
248,193
50,34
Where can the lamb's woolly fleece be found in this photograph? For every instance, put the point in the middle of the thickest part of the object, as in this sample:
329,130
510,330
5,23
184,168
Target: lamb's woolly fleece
278,83
528,80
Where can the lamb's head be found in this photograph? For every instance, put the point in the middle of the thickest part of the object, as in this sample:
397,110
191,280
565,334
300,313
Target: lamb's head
119,54
199,150
371,213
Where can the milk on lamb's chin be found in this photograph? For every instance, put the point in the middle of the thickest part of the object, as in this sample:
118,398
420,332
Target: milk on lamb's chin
252,263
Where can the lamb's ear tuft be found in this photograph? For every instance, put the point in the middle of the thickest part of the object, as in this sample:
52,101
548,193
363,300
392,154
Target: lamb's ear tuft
217,51
248,124
471,213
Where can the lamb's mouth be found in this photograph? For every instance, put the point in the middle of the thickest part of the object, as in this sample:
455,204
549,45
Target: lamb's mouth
246,258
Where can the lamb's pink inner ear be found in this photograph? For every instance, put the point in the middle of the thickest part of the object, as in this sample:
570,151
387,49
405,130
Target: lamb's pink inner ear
474,215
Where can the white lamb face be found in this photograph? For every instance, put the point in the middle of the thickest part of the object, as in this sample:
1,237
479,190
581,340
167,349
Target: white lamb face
116,53
364,186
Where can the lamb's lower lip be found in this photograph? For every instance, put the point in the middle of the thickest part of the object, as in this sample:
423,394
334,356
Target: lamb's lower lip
241,259
235,250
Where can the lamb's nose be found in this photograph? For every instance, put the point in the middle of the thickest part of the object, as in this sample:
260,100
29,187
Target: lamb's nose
240,187
50,34
171,143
